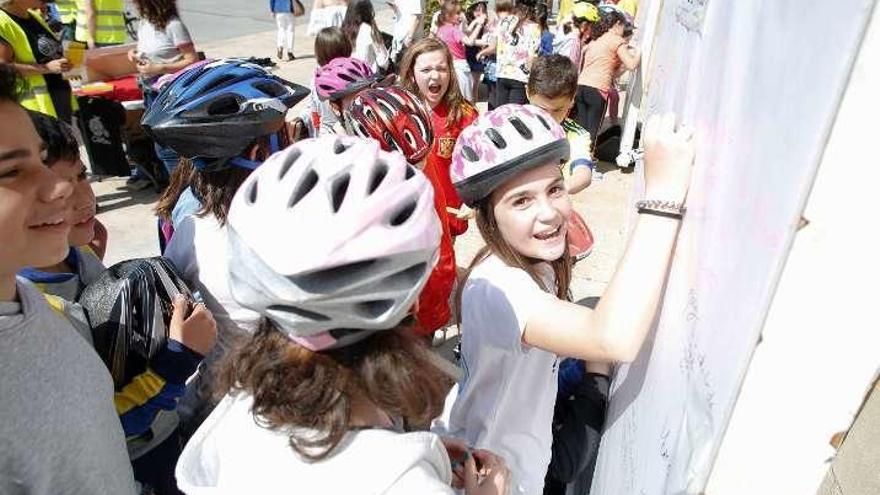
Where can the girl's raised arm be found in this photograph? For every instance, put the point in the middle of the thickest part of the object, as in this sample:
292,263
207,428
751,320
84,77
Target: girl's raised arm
615,330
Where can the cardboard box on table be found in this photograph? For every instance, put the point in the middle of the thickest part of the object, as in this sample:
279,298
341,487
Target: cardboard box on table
103,64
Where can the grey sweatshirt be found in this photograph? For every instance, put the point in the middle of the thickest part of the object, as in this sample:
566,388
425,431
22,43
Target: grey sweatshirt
59,433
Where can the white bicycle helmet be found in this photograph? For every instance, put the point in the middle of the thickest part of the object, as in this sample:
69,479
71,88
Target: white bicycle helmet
502,143
332,240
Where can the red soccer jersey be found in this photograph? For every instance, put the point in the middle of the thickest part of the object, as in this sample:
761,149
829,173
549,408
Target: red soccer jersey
440,158
433,311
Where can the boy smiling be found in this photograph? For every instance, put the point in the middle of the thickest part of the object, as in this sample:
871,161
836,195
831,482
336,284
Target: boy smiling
59,432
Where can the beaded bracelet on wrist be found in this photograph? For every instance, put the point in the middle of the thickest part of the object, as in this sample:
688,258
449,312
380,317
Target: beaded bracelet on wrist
668,209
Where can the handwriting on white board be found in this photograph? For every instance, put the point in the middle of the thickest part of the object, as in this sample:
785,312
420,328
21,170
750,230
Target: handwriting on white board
693,362
691,13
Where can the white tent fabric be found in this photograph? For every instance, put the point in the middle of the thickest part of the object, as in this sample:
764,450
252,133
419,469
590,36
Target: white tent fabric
761,83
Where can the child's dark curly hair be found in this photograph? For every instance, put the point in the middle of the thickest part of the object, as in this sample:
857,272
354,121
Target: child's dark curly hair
60,140
11,84
607,21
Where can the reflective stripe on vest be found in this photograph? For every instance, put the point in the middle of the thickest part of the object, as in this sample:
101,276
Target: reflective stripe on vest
110,22
36,94
66,10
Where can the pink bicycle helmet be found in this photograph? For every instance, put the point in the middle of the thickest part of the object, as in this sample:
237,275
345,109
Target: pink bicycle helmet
341,77
501,144
333,240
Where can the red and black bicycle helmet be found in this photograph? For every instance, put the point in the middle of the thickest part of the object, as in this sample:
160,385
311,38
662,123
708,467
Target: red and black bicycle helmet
394,117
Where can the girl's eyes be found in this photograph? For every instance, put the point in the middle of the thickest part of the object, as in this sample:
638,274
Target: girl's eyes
9,173
520,202
557,191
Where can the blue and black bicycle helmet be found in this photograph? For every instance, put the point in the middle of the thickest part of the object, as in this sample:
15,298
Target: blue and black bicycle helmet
213,113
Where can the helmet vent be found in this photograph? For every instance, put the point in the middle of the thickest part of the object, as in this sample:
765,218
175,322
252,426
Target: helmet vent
378,175
216,83
270,88
375,309
543,121
408,277
337,193
361,130
251,196
410,173
302,313
329,279
404,213
225,105
339,147
469,154
521,127
496,138
292,157
387,107
410,139
306,184
422,129
370,114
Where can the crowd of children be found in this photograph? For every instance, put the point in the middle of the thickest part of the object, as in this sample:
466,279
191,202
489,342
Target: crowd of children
320,254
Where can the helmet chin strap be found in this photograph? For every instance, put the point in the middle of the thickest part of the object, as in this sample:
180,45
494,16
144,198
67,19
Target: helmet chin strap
242,162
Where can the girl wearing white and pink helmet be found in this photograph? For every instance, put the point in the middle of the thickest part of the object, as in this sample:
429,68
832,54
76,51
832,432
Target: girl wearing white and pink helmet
517,319
316,399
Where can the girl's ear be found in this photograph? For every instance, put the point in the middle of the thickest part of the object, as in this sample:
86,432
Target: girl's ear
257,152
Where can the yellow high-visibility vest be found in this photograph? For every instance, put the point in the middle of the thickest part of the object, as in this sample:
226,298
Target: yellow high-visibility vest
110,26
629,6
66,10
564,10
36,95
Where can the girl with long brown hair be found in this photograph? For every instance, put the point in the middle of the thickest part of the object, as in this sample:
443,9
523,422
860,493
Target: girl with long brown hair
517,319
164,43
317,400
426,70
245,124
360,27
164,47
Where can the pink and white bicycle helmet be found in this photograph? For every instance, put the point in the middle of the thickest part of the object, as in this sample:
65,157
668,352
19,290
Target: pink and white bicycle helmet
333,240
341,77
501,144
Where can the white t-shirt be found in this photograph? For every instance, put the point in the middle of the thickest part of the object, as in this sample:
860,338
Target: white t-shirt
406,9
162,46
319,109
198,250
232,454
366,48
504,402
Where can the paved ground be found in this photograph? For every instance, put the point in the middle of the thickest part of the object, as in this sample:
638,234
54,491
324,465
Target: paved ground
221,20
226,28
